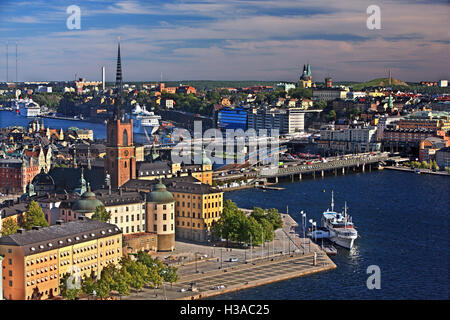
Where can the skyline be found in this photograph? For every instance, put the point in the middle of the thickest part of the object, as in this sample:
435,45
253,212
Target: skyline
236,40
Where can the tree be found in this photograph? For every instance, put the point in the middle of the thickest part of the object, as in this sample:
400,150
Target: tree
171,275
274,217
88,284
34,216
102,288
66,291
9,226
101,214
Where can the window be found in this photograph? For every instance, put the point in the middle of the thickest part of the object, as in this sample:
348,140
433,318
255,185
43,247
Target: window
155,216
154,227
164,207
164,216
164,228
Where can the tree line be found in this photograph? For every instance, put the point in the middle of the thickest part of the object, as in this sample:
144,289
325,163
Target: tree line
257,228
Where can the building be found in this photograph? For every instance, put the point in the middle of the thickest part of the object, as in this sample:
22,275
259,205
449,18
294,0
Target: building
161,216
232,118
120,159
36,260
328,82
443,83
16,173
286,86
197,205
284,120
443,158
305,80
351,140
429,120
429,147
329,94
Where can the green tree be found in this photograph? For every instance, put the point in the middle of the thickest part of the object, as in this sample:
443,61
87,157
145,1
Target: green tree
88,284
9,226
101,214
267,228
102,288
170,275
66,292
34,216
274,217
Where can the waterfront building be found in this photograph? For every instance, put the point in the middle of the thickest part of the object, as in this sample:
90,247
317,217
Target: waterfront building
351,140
443,158
429,147
36,260
160,216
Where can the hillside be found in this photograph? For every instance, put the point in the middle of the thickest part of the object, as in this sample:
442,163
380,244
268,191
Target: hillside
380,82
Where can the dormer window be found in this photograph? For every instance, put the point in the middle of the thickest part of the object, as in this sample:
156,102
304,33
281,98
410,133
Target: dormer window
32,249
85,236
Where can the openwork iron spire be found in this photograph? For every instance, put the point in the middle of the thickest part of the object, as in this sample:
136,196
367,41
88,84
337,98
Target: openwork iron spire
119,85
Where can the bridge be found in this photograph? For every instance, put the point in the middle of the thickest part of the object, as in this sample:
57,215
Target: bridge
330,165
334,165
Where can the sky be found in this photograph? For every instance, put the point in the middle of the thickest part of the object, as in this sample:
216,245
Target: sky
226,40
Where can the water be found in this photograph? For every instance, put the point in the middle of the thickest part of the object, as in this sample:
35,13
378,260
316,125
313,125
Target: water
402,219
9,118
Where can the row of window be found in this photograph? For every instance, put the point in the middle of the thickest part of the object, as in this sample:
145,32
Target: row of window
155,216
207,215
38,271
42,259
127,218
155,229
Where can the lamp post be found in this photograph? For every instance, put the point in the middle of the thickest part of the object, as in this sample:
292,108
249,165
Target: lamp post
304,227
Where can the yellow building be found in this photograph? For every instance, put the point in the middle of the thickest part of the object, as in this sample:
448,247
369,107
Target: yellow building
36,260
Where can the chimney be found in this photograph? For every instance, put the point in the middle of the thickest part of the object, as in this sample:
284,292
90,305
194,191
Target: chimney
120,192
36,228
21,231
59,222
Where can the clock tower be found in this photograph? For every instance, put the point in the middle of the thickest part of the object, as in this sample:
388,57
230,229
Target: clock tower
120,158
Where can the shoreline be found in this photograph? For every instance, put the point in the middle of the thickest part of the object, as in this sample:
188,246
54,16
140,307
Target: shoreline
422,171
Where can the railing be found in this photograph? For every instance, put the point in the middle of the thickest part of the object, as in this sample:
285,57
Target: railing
336,164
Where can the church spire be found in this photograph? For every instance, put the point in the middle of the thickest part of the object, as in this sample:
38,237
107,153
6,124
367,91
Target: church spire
119,85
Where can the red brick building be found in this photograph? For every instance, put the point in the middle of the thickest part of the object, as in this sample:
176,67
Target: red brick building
15,174
120,159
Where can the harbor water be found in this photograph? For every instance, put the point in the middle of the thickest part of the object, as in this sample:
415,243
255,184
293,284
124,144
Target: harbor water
9,118
402,220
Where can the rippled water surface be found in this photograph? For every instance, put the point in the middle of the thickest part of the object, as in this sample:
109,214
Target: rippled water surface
402,219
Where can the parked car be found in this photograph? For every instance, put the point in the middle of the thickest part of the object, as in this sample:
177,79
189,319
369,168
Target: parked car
234,259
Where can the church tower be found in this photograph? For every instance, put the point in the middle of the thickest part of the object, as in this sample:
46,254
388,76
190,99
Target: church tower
120,159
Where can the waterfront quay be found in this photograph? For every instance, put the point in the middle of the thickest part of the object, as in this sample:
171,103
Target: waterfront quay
207,271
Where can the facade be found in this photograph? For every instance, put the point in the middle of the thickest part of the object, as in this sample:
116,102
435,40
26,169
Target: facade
161,217
284,120
120,159
329,94
15,174
406,136
443,158
36,260
144,241
351,140
232,118
428,120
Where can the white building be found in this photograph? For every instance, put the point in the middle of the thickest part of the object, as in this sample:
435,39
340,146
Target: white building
352,140
443,83
330,94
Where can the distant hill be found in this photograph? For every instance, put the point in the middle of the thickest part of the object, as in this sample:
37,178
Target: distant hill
380,82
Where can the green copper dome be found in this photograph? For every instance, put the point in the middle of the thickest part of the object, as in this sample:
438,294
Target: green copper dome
87,203
160,195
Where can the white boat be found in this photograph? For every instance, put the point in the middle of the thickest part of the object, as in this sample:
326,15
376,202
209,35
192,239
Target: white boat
340,225
145,123
26,107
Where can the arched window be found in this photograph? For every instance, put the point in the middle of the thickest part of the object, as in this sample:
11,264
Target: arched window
125,138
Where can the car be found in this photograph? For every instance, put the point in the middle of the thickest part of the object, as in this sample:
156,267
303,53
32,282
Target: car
234,259
182,290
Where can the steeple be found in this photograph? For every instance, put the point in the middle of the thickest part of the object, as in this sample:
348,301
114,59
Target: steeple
119,86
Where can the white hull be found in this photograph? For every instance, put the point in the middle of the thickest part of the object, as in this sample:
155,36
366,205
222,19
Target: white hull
346,243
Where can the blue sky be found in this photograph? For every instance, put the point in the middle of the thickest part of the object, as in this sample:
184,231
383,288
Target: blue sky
226,40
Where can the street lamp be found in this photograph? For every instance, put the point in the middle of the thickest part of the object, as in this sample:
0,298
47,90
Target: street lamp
304,231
